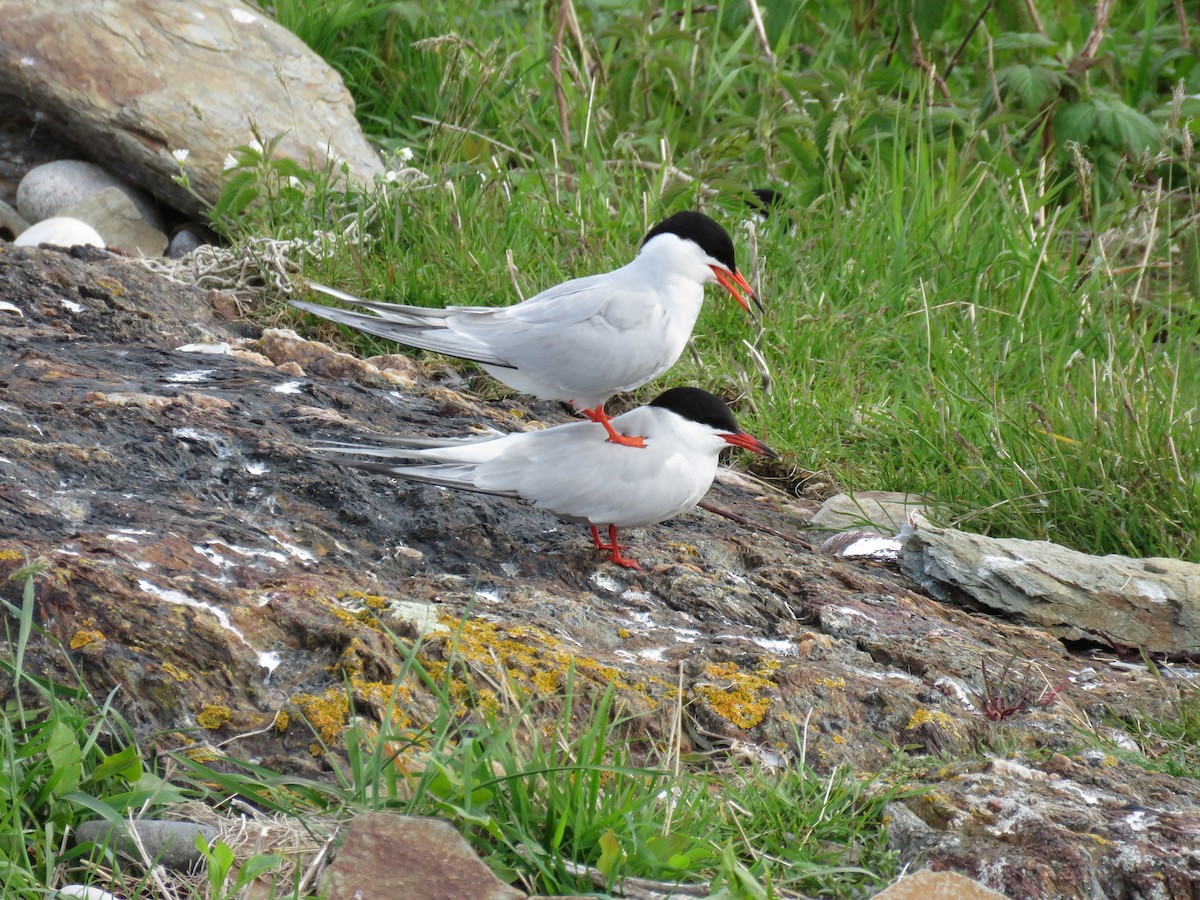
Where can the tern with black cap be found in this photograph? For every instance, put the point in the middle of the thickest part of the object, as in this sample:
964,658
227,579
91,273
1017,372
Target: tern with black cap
584,340
574,471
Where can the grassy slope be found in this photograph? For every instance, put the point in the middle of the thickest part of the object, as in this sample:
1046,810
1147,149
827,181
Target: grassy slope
951,311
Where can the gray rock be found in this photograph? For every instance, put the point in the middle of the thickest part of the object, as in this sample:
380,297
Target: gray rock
54,188
173,844
884,511
387,855
12,222
60,231
1152,604
119,222
187,239
137,79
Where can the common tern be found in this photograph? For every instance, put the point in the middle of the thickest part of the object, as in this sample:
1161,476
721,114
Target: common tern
574,471
583,340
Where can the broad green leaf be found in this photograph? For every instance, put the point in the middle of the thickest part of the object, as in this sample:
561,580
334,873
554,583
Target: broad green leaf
1016,40
611,854
256,866
125,764
63,751
1075,122
929,16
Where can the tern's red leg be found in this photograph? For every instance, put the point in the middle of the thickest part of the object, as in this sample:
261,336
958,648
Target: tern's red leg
597,414
614,548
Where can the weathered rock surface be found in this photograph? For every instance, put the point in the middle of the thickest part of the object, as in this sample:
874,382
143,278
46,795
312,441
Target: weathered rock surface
930,885
131,80
387,855
171,844
202,560
60,231
1149,604
117,220
882,511
52,189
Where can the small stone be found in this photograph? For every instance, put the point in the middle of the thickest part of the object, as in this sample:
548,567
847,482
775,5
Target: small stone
930,885
59,231
54,187
885,511
12,222
386,855
171,843
187,239
120,222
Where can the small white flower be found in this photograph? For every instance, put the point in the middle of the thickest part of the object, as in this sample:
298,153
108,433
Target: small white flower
180,156
391,176
256,146
230,162
405,154
295,182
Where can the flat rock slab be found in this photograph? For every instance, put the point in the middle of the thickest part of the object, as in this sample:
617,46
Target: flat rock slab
930,885
1151,604
132,80
387,855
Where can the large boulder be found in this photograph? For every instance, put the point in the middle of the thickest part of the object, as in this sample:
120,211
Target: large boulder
130,81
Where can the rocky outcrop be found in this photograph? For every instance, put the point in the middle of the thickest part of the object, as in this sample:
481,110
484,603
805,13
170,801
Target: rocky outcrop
201,559
130,81
1144,604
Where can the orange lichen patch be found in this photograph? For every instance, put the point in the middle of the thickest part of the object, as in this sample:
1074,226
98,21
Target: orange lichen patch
742,698
175,672
83,638
832,682
327,714
282,720
8,554
214,716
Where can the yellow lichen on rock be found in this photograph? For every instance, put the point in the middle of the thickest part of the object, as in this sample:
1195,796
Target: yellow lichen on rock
84,637
932,716
327,713
742,698
175,672
214,716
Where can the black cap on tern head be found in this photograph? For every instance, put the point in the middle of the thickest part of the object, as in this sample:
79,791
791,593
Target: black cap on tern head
698,406
707,234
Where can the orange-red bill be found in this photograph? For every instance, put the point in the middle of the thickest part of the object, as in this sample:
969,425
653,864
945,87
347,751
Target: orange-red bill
731,281
751,443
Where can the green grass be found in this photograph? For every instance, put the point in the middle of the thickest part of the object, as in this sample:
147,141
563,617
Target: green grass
961,302
1169,743
64,758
